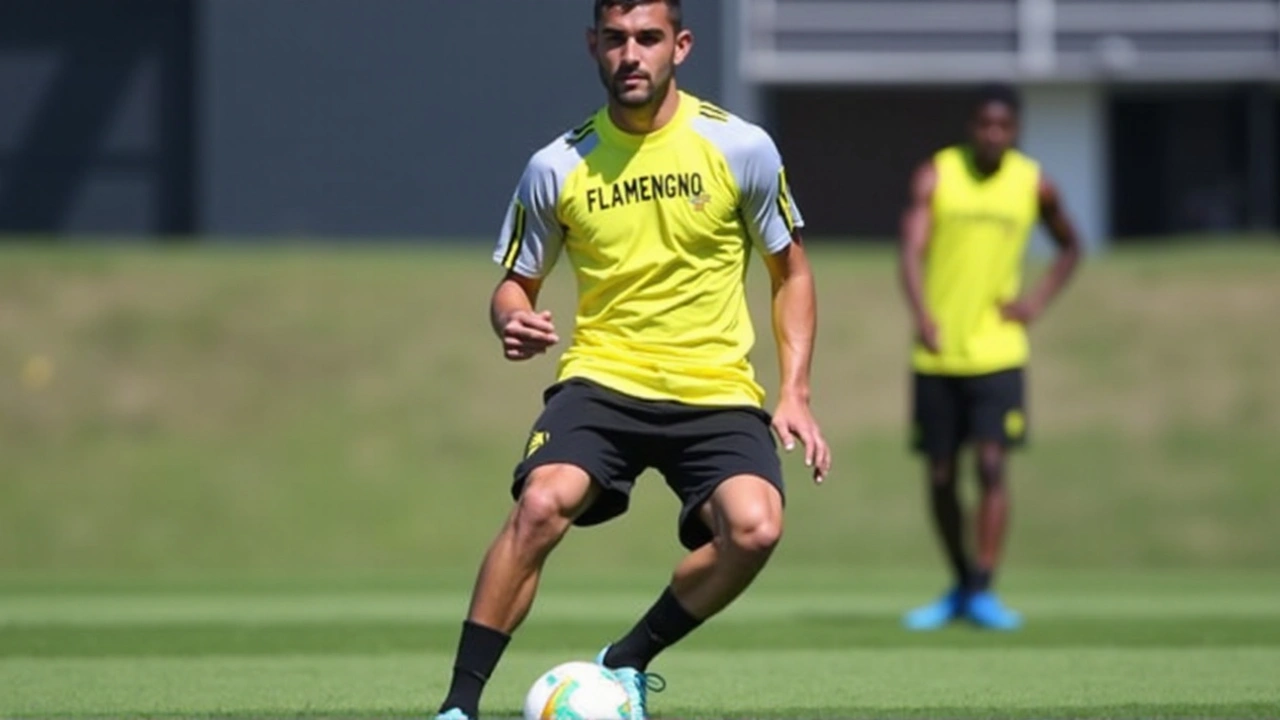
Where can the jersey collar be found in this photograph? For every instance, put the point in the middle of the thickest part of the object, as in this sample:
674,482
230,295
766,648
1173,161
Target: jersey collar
612,133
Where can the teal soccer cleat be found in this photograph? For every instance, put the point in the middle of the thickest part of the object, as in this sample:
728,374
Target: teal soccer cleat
984,609
938,613
637,683
453,714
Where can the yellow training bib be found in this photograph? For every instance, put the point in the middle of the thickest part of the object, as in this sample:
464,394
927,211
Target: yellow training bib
973,263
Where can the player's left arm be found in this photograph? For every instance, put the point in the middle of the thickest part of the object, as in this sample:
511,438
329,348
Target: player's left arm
1063,232
795,315
774,221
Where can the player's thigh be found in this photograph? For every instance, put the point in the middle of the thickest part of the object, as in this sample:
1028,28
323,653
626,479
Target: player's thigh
572,445
939,423
998,412
725,469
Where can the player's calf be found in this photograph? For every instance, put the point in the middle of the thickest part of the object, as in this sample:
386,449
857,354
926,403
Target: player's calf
993,513
983,606
745,519
551,499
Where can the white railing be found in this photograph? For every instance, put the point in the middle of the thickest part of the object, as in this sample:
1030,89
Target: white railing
941,41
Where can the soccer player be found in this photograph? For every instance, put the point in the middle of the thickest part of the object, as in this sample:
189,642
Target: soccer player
972,209
658,200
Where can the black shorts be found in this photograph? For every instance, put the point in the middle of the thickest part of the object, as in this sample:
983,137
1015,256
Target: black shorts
615,437
950,410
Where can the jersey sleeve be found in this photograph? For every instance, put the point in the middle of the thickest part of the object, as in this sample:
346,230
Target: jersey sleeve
767,206
532,234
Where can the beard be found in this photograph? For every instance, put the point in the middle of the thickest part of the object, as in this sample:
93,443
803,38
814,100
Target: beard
649,91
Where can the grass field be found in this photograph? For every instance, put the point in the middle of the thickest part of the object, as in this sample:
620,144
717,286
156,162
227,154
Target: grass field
803,644
256,483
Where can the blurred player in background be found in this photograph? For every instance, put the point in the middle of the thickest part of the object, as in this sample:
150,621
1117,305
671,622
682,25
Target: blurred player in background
658,201
972,209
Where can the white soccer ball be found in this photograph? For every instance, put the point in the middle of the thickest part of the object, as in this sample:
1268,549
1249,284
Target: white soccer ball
577,691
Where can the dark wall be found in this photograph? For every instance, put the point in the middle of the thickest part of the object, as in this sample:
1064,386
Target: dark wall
850,153
95,116
397,117
350,118
1183,160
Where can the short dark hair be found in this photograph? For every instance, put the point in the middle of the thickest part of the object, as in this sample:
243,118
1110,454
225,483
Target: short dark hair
673,9
1002,93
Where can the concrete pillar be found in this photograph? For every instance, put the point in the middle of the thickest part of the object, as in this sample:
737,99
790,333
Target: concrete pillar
740,97
1064,127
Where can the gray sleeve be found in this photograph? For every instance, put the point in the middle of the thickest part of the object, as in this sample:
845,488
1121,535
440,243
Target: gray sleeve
531,236
769,210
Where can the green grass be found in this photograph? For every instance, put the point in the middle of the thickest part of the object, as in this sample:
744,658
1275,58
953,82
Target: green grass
256,482
801,644
335,410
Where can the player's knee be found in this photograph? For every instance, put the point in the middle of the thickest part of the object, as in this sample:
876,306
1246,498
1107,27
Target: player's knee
991,471
942,475
538,518
541,514
756,534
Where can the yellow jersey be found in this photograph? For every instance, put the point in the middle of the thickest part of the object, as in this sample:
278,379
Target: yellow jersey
659,229
973,262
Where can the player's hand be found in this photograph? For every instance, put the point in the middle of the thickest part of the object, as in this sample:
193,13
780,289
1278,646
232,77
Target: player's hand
927,333
1020,311
793,420
527,334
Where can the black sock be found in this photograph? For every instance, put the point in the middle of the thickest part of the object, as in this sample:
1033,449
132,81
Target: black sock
664,625
980,581
479,649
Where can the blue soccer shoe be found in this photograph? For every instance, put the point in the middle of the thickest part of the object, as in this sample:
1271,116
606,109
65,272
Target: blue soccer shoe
985,610
637,683
938,613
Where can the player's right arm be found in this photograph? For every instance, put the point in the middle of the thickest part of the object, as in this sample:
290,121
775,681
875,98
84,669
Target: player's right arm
524,332
916,223
527,249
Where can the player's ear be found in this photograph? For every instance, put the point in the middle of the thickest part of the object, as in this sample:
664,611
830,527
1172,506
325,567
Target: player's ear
592,42
684,44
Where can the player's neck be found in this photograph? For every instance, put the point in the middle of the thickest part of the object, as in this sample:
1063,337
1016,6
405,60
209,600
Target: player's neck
647,119
986,167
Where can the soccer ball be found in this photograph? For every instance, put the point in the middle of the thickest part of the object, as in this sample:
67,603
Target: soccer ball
577,691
